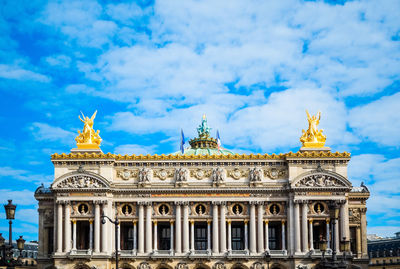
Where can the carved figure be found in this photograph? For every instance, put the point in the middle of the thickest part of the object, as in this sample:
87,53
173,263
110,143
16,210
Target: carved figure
144,265
88,138
219,265
313,137
203,130
145,175
181,265
319,180
256,174
218,175
181,174
257,265
80,181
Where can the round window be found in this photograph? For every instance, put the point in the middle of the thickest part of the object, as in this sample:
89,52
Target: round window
319,208
200,209
83,208
127,209
237,209
274,209
163,209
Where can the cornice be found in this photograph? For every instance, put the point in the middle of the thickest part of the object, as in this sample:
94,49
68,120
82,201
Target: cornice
163,157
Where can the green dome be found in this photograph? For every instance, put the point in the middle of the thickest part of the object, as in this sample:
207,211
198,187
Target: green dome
204,151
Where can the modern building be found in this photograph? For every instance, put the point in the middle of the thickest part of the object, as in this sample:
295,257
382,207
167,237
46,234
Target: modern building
384,253
205,207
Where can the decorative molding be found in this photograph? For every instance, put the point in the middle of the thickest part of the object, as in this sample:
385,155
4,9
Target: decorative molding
218,176
127,174
256,175
163,174
319,180
181,176
200,173
237,173
145,175
80,181
275,173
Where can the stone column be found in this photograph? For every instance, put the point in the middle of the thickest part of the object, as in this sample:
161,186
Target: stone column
260,227
253,237
67,228
209,236
342,220
215,244
149,234
104,233
134,236
155,236
185,227
346,220
222,228
337,235
91,234
59,227
119,235
55,219
96,227
310,232
358,239
192,236
178,248
304,230
291,226
73,234
246,235
328,235
283,235
266,236
296,220
141,229
171,223
229,236
364,246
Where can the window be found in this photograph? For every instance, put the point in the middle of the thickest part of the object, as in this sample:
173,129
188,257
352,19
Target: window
274,209
126,235
200,209
274,235
319,208
127,209
237,236
164,235
163,209
237,209
200,235
82,238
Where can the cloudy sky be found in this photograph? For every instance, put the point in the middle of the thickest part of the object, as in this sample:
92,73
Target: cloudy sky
151,68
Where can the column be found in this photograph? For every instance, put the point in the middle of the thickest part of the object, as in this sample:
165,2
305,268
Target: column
310,232
358,239
41,251
171,223
91,234
67,228
104,233
134,236
59,227
96,227
337,235
178,248
328,235
141,229
149,235
222,228
208,236
304,224
252,228
346,220
342,220
246,236
283,235
260,227
291,226
364,246
229,236
215,244
266,236
55,219
296,220
73,234
192,236
118,235
155,236
185,228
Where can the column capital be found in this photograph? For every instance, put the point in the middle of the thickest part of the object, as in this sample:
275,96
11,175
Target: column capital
73,221
253,203
327,221
172,221
363,210
134,222
177,203
266,221
283,221
90,221
228,221
245,221
155,222
310,221
192,221
185,204
222,203
209,222
215,203
60,202
260,203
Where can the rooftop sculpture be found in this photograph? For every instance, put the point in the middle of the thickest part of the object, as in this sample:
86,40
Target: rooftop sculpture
88,138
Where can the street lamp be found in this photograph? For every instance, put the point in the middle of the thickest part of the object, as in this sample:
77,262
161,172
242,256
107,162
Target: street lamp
268,259
345,248
116,223
334,215
20,246
10,215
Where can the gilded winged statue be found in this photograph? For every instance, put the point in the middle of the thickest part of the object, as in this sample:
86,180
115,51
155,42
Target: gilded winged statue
88,138
313,137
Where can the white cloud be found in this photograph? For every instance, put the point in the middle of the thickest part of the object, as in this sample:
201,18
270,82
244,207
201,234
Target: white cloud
59,60
45,132
384,231
7,173
134,149
378,121
19,73
22,197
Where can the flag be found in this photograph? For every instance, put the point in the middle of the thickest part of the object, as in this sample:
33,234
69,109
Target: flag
182,142
218,141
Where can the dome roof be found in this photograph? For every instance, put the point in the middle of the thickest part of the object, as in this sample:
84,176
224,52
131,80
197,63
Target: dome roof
204,151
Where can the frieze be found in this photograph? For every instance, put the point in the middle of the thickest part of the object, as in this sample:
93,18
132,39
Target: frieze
237,173
127,174
354,215
144,176
81,181
181,176
218,176
319,180
200,173
275,173
163,174
256,174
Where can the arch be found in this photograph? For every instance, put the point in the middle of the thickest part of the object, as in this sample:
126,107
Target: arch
80,180
239,266
201,266
164,265
320,179
81,266
126,265
276,265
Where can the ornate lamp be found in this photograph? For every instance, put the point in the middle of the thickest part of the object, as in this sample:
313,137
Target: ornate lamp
10,210
268,259
322,245
345,245
20,243
334,210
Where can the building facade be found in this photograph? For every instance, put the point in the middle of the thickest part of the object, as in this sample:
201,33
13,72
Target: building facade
384,253
204,207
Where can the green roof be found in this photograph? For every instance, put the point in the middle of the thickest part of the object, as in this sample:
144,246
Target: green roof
204,151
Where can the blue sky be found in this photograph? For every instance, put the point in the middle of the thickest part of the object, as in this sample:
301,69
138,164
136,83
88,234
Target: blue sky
151,68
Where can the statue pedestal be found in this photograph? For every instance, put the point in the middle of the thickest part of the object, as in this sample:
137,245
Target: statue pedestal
84,150
303,149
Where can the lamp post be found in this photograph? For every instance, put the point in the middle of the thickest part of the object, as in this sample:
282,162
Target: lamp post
322,247
345,248
116,223
268,259
10,215
334,214
20,246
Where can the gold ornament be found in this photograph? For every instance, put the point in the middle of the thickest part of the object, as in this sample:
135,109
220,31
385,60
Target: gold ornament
313,138
88,138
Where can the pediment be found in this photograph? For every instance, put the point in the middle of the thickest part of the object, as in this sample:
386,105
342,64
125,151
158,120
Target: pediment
79,180
320,179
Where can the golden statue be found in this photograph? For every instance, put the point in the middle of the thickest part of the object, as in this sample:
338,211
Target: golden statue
313,138
88,138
